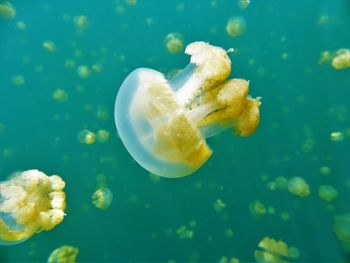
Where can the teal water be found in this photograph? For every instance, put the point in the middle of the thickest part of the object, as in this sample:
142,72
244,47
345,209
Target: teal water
303,102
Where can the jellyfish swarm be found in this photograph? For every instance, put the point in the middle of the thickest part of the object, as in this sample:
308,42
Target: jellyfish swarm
30,202
163,124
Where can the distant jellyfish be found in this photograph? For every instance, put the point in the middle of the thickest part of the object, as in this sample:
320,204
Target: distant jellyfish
342,228
243,4
235,26
257,209
174,42
63,254
102,136
49,46
21,25
86,137
271,251
298,186
102,198
7,11
341,59
18,80
83,71
30,202
327,193
219,205
60,95
163,124
81,23
97,67
336,136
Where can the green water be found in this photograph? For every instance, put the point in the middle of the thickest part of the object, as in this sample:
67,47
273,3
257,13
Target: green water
303,102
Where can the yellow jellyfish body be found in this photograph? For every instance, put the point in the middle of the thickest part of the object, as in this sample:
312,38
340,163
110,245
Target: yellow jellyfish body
342,227
102,198
341,59
298,186
235,26
163,124
30,202
271,251
7,11
327,193
63,254
174,42
49,46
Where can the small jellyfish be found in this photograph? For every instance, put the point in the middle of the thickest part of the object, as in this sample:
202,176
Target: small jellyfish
102,198
163,124
235,26
174,42
7,11
86,137
81,23
325,170
243,4
102,136
257,209
298,186
18,80
219,205
83,71
63,254
342,228
271,251
336,136
341,59
49,46
184,233
60,95
97,67
21,25
327,193
30,202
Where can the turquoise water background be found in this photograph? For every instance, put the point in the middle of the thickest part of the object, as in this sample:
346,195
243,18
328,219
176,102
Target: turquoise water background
302,103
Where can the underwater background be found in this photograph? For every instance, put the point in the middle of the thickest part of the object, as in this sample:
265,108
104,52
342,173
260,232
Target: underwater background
230,204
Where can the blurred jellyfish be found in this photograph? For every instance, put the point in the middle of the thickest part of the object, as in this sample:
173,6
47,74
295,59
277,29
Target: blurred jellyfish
327,193
30,202
174,42
235,26
227,260
49,46
69,64
271,251
298,186
325,170
60,95
21,25
341,228
219,205
102,198
18,80
257,209
184,233
102,136
97,67
7,11
63,254
81,23
83,71
243,4
163,124
341,59
86,137
131,2
337,136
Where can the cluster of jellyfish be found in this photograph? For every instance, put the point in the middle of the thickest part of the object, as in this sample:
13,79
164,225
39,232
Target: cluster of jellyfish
164,123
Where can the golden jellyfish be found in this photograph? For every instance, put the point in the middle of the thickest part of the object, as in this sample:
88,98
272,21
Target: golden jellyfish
18,80
86,137
174,42
81,23
327,193
7,11
49,46
60,95
102,198
341,59
83,71
163,124
63,254
298,187
271,251
30,202
235,26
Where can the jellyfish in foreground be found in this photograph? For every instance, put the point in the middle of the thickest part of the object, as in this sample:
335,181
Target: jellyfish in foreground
163,124
30,202
271,251
63,254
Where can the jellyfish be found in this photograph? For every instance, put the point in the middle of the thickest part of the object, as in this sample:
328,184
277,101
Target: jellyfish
30,202
63,254
102,198
163,124
271,251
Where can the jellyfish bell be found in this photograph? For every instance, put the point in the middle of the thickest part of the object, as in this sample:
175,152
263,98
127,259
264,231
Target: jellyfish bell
30,202
163,124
